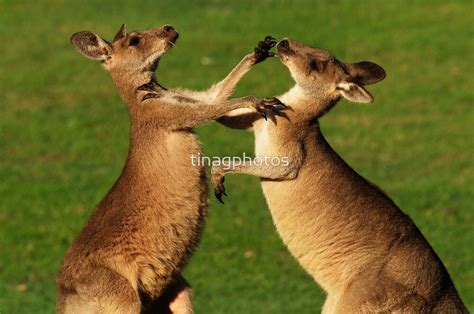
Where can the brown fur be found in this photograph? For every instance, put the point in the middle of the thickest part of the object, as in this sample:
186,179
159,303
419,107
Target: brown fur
129,255
344,231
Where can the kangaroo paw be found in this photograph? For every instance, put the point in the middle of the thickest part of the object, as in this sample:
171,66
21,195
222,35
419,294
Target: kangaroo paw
269,107
262,51
218,183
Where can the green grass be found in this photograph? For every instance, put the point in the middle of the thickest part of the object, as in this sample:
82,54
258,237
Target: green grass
64,134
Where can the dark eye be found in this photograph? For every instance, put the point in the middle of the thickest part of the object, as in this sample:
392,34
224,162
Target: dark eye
317,65
313,65
134,41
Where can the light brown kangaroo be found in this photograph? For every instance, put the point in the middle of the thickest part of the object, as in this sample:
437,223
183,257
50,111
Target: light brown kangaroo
344,231
129,255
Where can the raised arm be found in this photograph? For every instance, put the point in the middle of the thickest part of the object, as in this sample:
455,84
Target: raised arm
224,89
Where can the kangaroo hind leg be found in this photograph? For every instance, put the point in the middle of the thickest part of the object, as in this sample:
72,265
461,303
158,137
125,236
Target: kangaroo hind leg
176,299
102,291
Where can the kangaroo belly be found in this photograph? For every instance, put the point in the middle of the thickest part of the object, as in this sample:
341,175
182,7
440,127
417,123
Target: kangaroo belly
179,214
299,228
318,226
150,222
286,199
337,238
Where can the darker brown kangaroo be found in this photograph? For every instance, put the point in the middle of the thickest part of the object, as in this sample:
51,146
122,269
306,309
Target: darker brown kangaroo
129,255
349,235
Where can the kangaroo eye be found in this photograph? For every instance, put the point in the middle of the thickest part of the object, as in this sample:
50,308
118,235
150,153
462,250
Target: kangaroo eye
313,65
317,65
134,41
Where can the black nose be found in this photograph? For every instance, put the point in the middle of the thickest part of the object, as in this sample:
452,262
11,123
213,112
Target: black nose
284,44
168,28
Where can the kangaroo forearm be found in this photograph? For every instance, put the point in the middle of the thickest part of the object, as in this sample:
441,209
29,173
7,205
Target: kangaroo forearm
241,119
260,168
207,112
244,122
264,169
281,167
225,88
187,115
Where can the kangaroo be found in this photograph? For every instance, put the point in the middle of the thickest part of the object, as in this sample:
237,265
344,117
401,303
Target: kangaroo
129,255
343,230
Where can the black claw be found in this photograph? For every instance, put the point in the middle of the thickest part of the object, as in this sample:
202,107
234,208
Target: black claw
272,118
149,87
270,40
279,107
278,102
219,198
262,51
150,95
275,111
220,190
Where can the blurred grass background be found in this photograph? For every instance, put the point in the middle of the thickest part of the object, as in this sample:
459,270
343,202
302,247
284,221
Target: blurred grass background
64,134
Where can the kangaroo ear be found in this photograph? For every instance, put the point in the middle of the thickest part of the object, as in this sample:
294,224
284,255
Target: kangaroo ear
122,32
354,92
91,45
365,72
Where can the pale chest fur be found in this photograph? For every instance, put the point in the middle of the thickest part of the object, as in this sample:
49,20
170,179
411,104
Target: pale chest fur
267,141
263,140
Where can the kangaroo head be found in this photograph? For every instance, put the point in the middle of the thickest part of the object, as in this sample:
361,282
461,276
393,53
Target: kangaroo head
136,51
319,73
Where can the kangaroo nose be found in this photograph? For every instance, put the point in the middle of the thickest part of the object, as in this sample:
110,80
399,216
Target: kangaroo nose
284,44
169,32
168,28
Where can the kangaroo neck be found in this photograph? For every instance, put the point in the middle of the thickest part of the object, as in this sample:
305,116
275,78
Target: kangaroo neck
129,81
320,144
146,148
306,107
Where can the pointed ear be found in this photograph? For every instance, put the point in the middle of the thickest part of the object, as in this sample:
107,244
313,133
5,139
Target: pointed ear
122,32
91,45
365,72
354,92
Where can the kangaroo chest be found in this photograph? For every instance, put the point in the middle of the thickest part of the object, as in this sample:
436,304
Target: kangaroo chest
267,140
